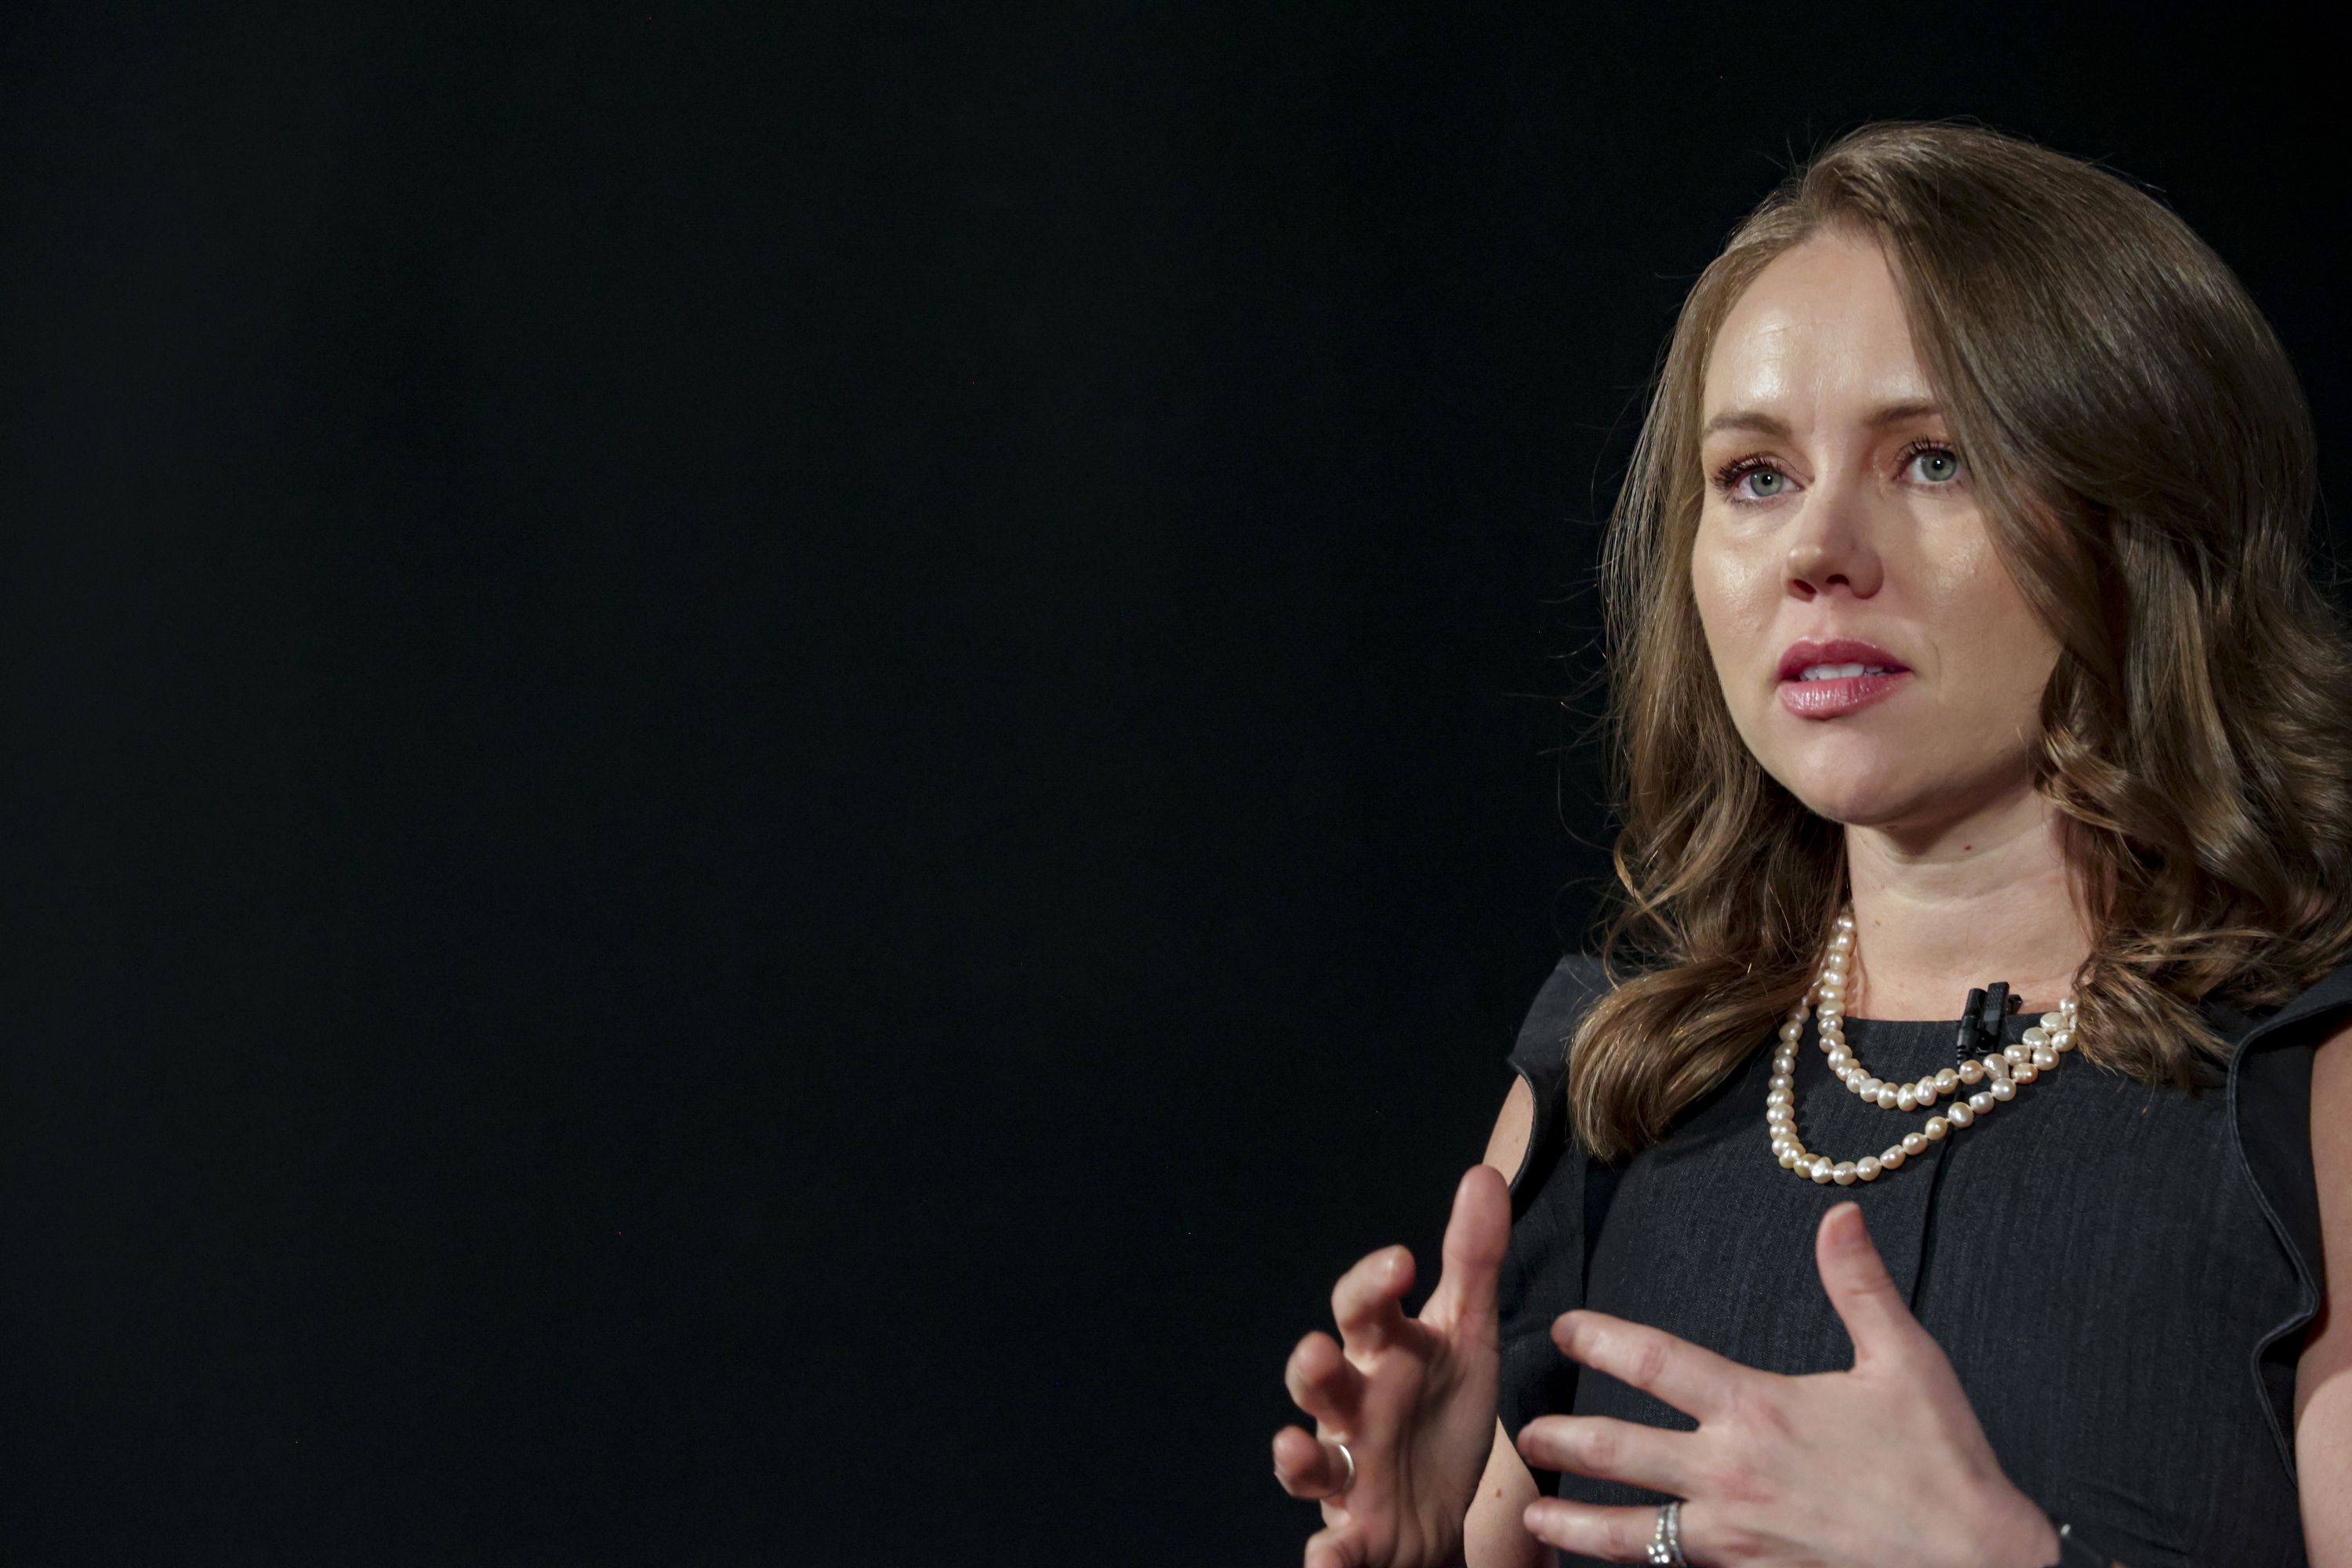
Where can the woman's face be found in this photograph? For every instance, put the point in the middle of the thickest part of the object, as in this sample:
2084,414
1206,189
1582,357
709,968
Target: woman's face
1839,531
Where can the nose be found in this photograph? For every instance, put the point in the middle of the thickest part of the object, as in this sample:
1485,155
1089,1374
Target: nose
1833,546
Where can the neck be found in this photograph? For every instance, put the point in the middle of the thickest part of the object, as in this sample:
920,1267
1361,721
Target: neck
1982,899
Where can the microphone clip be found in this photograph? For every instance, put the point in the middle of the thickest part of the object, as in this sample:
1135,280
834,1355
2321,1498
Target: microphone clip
1980,1020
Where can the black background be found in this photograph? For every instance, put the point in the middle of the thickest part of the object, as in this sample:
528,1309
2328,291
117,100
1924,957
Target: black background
767,768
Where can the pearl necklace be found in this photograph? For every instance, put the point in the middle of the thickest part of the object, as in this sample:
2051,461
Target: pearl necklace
1999,1071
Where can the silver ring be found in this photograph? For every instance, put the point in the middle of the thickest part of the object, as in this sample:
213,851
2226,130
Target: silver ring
1351,1469
1666,1545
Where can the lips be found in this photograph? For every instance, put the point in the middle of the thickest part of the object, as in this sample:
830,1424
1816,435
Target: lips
1805,653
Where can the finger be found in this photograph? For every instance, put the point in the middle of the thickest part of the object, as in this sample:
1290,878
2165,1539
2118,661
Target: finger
1689,1377
1323,1384
1477,1238
1337,1546
1877,1318
1613,1450
1307,1468
1365,1302
1612,1534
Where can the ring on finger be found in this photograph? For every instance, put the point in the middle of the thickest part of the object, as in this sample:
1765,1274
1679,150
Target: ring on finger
1351,1467
1666,1546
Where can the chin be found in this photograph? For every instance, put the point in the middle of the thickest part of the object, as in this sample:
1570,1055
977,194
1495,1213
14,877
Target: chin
1857,797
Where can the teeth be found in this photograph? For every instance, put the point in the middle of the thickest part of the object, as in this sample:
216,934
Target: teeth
1842,671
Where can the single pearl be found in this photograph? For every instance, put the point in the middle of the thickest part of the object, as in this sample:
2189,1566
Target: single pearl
1959,1116
2054,1020
1868,1167
1937,1127
1947,1081
2062,1040
1914,1144
1969,1071
1869,1087
1841,1060
2002,1090
1842,1173
2045,1057
1982,1101
1892,1157
1926,1091
1792,1033
1906,1098
1778,1097
2037,1036
1789,1158
1995,1066
1889,1096
2018,1053
1846,923
2024,1072
1783,1081
1822,1168
1777,1116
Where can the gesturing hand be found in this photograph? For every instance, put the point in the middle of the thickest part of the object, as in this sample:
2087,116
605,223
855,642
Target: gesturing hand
1885,1463
1414,1398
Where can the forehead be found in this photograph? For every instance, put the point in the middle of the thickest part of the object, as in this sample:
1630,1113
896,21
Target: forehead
1820,326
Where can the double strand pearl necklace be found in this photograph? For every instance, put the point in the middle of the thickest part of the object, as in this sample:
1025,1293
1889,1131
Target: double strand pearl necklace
2000,1072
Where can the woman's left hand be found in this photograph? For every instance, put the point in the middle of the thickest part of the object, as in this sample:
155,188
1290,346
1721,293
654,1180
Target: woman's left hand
1885,1463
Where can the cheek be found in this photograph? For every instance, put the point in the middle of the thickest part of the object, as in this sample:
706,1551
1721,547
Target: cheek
1998,637
1735,596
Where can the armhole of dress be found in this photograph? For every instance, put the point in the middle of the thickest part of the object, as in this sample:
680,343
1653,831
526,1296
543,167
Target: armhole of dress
1541,1056
1543,1127
1542,1275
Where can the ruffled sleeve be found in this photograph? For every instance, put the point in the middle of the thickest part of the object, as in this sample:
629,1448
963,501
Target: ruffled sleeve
1543,1275
2270,1115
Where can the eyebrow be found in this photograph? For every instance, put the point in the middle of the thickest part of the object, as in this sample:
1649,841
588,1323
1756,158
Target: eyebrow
1765,424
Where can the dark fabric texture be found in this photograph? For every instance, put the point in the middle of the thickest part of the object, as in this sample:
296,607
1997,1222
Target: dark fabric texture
2119,1273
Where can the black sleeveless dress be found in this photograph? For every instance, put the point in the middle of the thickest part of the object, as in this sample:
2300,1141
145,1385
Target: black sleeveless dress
2120,1274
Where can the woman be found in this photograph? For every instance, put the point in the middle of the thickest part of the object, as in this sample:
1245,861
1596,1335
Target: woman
1965,669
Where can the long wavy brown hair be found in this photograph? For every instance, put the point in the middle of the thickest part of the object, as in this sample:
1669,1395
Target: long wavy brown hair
2145,460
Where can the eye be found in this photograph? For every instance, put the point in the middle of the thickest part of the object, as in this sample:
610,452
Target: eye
1769,483
1937,463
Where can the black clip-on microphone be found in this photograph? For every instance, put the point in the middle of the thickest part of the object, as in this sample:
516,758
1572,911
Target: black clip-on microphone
1980,1020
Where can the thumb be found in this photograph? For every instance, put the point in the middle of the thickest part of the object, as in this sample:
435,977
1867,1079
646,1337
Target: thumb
1876,1317
1477,1238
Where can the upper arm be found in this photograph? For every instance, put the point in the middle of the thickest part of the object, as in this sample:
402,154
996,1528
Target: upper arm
1507,1146
2322,1381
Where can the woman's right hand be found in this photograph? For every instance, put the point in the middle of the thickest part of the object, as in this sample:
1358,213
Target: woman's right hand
1414,1398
